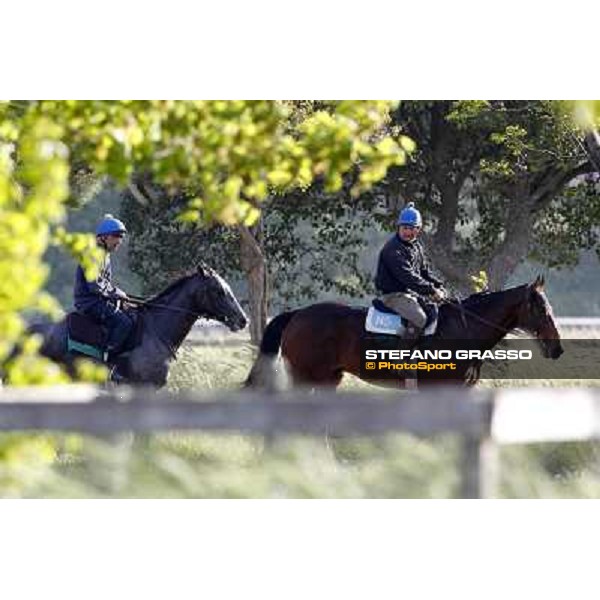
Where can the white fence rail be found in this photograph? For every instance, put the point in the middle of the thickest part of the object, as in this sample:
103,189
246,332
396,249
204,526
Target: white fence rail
484,418
207,334
579,322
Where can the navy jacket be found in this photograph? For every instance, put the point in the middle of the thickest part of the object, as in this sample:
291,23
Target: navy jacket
89,293
402,268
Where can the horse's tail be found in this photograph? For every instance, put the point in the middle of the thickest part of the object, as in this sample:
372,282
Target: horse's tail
263,371
271,340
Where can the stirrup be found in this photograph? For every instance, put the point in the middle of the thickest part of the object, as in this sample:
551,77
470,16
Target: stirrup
412,333
114,376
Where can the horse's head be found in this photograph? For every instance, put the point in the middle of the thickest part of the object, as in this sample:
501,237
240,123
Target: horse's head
215,300
537,318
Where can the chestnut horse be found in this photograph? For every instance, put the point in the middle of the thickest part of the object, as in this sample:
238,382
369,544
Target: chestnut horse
322,341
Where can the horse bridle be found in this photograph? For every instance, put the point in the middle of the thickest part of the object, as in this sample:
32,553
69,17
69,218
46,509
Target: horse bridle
460,307
142,303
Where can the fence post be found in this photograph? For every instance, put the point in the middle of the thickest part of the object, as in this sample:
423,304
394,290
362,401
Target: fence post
479,467
479,458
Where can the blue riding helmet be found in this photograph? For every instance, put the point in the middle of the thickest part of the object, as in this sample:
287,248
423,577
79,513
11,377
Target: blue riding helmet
409,215
110,225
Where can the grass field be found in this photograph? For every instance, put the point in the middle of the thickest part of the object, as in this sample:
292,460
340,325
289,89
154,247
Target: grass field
189,465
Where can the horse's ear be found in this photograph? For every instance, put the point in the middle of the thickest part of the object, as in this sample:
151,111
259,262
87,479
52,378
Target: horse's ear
538,284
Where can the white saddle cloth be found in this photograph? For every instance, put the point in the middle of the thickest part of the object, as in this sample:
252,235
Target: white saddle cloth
384,322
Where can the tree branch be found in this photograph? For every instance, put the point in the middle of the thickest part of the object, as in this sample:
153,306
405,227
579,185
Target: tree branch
591,143
137,194
555,182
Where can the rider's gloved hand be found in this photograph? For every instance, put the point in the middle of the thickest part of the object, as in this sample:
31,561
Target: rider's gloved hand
439,294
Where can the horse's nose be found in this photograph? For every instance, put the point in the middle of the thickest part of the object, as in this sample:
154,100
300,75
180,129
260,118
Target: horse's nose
557,352
240,322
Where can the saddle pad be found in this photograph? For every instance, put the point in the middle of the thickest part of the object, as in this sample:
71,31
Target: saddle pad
85,330
85,336
383,322
390,323
80,348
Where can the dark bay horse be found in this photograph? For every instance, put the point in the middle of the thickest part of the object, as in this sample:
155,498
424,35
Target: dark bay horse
322,341
163,322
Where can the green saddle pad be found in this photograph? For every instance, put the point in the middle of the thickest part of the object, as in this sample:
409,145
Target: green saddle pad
86,349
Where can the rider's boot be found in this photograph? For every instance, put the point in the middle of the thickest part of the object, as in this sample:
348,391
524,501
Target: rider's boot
407,342
114,376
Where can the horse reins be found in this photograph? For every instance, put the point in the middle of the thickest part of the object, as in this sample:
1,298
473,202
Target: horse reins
459,306
141,302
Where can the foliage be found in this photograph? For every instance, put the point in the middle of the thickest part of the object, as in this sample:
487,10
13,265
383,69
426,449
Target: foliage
499,182
586,112
227,155
207,465
238,466
308,231
163,247
84,218
573,292
479,281
231,157
314,242
24,462
569,225
32,193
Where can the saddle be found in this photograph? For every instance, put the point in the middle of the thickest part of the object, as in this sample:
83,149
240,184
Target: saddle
88,337
382,319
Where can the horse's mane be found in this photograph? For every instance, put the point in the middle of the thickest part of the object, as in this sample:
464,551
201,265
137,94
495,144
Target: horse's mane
202,269
479,298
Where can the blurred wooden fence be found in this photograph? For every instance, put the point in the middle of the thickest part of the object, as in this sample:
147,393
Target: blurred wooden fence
484,418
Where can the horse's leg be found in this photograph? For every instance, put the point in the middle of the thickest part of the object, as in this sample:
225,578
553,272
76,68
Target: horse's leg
309,369
307,377
147,363
154,374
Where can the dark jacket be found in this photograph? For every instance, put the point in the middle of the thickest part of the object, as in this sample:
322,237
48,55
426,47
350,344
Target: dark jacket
88,294
402,268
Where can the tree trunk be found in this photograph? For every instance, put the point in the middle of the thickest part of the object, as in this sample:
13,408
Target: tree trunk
592,146
511,253
454,270
254,264
440,245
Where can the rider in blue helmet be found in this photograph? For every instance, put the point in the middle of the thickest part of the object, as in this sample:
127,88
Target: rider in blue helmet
404,281
110,225
100,299
410,216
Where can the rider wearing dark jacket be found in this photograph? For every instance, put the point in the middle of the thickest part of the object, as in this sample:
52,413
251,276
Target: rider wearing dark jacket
99,298
403,278
402,268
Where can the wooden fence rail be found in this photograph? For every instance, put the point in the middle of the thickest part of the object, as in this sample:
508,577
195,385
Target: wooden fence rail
484,418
